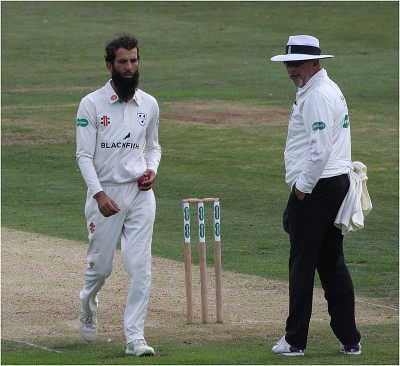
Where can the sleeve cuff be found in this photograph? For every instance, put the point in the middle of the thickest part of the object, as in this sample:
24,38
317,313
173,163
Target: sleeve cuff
303,187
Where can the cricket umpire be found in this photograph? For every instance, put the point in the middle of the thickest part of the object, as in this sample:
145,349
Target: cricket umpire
118,155
318,163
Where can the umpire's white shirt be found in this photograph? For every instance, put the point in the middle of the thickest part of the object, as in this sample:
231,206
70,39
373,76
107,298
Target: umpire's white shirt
318,143
116,141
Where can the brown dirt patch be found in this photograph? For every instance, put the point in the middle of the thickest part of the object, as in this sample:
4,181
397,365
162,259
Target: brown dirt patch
31,132
42,277
219,113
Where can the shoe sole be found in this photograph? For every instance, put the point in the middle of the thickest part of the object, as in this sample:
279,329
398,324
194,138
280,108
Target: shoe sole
351,353
91,339
342,350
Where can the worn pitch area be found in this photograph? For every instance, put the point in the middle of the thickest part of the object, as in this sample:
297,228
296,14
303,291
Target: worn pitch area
42,277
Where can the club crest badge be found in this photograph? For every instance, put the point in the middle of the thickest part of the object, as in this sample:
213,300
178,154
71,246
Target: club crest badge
142,118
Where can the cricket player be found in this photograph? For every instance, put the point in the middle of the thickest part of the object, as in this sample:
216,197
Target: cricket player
318,164
118,155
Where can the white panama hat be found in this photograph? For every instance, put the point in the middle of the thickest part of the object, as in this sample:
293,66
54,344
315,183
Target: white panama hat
301,48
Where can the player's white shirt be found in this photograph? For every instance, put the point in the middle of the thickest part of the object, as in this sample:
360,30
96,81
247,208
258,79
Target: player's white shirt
116,141
318,143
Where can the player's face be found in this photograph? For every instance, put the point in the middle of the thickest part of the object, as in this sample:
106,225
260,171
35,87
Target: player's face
126,62
125,73
300,74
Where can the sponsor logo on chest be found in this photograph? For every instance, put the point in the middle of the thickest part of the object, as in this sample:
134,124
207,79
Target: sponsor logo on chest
119,145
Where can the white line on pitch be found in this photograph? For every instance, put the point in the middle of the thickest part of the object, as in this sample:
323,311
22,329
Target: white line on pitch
31,344
378,305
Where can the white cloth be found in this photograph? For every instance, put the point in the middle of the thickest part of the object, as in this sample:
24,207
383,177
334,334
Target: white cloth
133,225
357,203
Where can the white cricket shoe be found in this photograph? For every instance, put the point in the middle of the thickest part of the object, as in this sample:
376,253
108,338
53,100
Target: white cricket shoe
88,323
139,347
87,326
285,349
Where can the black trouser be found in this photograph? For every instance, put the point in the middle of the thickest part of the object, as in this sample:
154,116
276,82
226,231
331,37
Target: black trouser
317,244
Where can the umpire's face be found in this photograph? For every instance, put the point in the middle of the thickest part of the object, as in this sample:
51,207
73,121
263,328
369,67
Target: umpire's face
302,71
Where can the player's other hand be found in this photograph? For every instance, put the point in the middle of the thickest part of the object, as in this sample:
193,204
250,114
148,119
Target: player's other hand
106,205
146,181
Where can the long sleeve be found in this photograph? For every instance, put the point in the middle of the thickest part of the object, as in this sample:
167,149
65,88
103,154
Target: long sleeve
318,123
152,150
86,132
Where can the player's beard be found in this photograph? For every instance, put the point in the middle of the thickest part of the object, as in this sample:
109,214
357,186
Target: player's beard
126,87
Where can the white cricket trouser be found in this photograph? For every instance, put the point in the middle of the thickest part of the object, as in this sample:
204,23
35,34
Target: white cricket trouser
133,224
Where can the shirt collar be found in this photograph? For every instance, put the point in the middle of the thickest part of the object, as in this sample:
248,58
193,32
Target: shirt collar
113,97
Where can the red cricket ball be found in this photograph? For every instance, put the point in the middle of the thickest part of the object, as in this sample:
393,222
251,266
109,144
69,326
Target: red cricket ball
142,179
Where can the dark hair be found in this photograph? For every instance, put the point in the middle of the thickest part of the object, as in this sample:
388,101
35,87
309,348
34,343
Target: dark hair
123,40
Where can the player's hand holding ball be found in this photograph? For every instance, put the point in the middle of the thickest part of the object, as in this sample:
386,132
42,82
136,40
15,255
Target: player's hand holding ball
142,179
146,181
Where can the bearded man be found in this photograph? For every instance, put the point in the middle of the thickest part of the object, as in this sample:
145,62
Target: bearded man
118,155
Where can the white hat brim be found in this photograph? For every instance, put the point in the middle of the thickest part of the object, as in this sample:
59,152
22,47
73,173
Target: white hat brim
298,57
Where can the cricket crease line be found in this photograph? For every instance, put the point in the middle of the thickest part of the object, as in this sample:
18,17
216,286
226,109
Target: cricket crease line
377,305
31,344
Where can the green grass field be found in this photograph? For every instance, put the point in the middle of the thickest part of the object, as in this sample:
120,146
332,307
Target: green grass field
216,55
